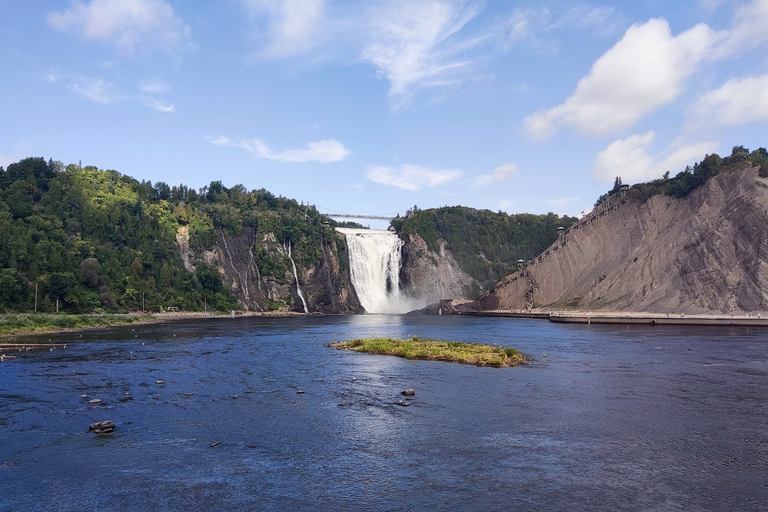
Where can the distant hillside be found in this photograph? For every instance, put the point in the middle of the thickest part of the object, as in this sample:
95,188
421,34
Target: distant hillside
98,240
695,243
483,245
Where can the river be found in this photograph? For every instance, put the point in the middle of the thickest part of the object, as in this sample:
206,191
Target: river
604,418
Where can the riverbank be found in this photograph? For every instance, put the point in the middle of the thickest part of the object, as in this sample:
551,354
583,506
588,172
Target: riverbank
27,324
617,317
476,354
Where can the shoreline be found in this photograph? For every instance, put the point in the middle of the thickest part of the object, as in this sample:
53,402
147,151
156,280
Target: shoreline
630,318
155,318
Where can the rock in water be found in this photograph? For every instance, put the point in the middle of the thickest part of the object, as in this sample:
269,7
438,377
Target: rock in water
102,427
409,392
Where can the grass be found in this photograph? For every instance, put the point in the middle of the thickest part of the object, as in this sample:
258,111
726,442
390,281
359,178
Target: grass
40,322
436,350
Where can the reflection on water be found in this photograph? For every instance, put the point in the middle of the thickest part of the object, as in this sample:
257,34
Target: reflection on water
604,418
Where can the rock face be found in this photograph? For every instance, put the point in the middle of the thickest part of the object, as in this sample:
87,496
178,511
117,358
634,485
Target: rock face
325,284
704,253
430,276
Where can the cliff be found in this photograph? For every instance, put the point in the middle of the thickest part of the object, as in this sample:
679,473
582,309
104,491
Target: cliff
325,283
430,276
704,253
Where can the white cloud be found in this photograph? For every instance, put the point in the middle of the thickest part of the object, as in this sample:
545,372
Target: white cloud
155,85
600,19
504,171
415,45
630,159
500,173
105,92
95,89
739,101
295,26
127,24
536,27
412,177
506,205
52,76
158,105
643,71
561,202
323,151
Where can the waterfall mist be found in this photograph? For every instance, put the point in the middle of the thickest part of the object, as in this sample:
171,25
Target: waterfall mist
374,259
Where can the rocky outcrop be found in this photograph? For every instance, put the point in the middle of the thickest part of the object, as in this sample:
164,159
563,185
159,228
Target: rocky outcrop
325,284
704,253
432,276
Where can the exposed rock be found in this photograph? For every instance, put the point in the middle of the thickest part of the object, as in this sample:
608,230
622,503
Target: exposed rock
102,427
402,403
409,392
705,253
326,284
431,276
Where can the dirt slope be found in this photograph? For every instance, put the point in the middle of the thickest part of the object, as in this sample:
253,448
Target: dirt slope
705,253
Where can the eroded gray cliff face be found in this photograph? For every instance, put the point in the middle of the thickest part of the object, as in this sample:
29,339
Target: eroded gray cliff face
707,252
325,283
431,276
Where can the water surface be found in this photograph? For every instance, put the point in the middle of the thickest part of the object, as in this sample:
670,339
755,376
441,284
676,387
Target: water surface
604,418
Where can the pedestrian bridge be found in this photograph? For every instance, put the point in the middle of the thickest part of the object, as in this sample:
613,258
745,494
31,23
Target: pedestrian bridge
354,216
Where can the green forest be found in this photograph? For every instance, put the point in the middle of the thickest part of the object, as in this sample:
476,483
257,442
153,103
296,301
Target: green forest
691,178
486,244
86,240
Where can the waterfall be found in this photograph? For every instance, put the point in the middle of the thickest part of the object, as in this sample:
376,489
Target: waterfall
287,247
374,259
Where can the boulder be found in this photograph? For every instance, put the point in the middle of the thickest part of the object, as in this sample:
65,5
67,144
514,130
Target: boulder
102,427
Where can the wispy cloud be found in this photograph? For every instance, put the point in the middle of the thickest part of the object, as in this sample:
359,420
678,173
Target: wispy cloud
411,177
52,76
631,159
94,89
416,45
158,105
561,202
126,24
100,90
499,174
538,27
506,205
323,151
291,27
155,85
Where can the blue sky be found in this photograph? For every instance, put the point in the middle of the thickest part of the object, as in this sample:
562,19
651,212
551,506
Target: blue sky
372,107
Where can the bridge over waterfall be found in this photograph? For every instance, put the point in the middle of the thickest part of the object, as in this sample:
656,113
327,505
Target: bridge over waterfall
354,216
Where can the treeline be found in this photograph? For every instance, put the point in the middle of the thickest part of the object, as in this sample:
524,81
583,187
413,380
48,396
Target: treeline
486,245
691,178
93,240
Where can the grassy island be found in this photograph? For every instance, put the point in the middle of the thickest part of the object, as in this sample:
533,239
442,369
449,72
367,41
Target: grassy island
436,350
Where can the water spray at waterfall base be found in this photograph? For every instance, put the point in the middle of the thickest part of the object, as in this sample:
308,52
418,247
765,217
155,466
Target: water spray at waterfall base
374,259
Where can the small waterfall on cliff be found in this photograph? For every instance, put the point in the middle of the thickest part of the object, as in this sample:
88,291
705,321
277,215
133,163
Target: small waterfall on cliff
374,259
287,247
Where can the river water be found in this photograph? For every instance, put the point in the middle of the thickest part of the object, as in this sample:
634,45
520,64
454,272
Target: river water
604,418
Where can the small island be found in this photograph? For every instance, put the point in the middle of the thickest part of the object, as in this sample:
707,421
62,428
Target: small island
437,350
